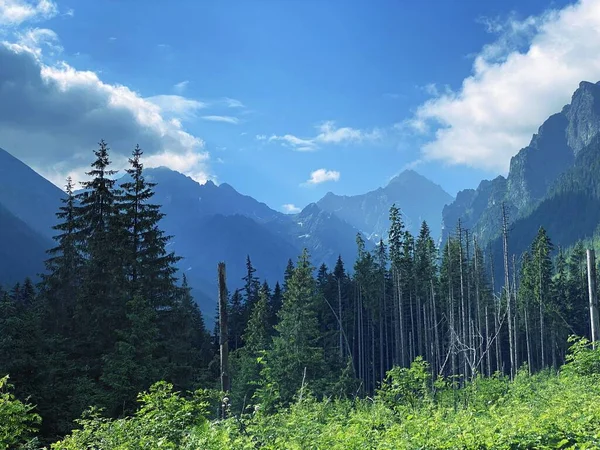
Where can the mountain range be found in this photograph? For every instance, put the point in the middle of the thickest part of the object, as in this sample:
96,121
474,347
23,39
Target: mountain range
369,212
211,223
556,178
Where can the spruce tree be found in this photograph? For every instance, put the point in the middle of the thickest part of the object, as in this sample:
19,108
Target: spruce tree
186,346
61,283
237,322
251,288
150,267
257,339
275,302
100,309
295,357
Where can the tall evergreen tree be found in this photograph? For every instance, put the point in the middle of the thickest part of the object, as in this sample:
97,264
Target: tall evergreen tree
61,283
295,357
251,290
100,310
275,302
257,339
150,267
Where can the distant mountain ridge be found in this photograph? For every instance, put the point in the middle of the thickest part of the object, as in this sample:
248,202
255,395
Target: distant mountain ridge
418,198
212,223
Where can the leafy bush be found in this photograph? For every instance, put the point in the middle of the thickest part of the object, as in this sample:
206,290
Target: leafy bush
17,421
541,411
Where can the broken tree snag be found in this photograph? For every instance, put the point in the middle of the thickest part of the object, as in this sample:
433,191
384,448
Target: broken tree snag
223,332
591,270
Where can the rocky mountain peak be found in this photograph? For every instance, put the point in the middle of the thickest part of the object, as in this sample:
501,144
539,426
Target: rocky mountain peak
583,115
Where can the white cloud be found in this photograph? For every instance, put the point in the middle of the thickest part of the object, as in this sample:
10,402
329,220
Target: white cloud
52,116
431,89
16,12
233,103
328,134
520,79
259,137
190,163
290,208
181,86
177,105
224,119
301,145
37,39
322,175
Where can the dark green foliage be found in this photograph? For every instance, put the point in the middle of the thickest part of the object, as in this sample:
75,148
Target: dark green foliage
257,339
296,357
109,319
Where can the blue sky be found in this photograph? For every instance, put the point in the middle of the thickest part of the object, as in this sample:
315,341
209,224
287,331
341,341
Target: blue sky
267,95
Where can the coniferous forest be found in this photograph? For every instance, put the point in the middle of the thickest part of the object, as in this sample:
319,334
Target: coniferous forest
415,344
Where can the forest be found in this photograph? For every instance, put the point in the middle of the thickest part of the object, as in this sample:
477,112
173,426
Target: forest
413,345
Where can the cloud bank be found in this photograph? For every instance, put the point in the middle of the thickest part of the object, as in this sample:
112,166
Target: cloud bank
53,115
528,73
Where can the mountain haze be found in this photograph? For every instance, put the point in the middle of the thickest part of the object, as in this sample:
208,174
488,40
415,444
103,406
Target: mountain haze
418,198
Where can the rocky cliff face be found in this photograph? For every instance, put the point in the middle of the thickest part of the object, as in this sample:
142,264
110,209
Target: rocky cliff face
533,169
583,116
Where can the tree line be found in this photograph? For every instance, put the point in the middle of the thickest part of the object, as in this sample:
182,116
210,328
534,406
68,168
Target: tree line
110,316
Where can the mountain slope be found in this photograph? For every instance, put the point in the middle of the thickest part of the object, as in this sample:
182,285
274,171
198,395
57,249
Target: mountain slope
419,199
22,250
28,195
561,139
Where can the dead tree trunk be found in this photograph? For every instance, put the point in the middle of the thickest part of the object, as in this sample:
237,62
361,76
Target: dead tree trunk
591,269
514,292
223,331
507,291
340,330
463,312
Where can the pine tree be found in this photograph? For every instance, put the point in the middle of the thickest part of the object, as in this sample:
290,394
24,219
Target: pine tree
185,344
150,268
61,285
395,240
100,308
289,271
275,302
251,290
257,339
237,322
132,366
541,249
295,357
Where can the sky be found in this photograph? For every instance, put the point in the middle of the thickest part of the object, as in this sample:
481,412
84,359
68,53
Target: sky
289,99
